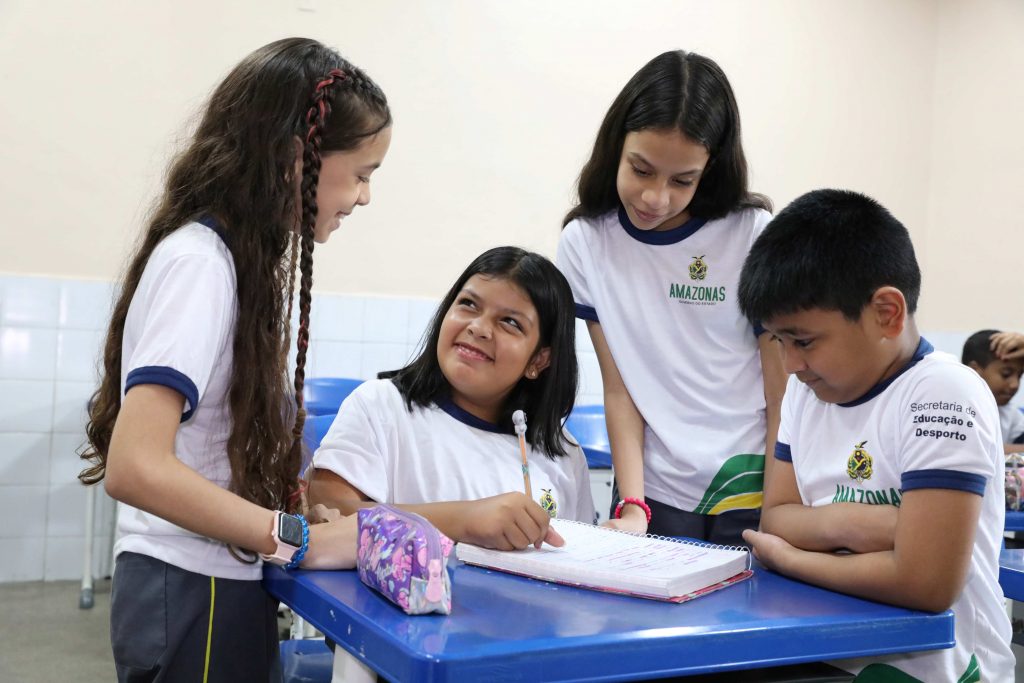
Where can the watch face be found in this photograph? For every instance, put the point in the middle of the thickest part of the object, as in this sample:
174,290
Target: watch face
289,530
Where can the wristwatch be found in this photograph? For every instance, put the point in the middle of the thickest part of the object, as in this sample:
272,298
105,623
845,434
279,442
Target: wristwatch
287,533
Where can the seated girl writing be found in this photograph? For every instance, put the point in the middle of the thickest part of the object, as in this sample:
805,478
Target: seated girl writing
437,438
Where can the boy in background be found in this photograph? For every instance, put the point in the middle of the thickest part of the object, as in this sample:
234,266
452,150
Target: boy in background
887,451
1002,375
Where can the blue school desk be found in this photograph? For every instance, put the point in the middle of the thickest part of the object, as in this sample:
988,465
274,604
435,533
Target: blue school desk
505,627
1011,573
1014,521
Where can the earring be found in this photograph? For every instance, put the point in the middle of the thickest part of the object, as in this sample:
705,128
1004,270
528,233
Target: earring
532,374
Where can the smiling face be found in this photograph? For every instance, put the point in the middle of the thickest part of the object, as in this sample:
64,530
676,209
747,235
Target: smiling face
489,341
659,171
1002,377
345,182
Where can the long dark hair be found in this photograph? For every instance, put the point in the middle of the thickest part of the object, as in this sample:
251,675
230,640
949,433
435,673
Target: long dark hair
674,91
546,400
239,169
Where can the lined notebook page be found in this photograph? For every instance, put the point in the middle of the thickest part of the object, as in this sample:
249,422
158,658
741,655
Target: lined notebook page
604,558
590,547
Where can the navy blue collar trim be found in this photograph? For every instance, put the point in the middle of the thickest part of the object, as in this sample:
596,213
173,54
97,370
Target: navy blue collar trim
924,347
660,237
467,418
213,224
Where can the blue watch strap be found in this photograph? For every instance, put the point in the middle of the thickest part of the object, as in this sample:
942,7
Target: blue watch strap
301,552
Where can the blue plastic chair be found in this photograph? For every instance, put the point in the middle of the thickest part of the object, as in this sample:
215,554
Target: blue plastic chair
323,395
587,425
306,661
316,428
313,432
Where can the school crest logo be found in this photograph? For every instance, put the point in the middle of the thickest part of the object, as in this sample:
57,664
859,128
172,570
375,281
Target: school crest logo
858,465
548,502
699,268
695,294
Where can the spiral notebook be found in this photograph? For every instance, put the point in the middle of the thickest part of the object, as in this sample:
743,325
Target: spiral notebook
604,559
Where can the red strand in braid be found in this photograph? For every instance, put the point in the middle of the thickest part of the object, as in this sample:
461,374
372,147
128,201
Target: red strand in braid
316,118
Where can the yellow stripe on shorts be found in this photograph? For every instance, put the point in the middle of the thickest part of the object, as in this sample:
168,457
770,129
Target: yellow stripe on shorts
209,631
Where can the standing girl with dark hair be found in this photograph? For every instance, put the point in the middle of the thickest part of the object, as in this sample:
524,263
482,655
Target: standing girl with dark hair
197,426
653,252
437,436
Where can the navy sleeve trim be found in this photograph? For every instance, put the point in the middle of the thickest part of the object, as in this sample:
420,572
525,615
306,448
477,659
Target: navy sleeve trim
213,224
586,313
783,452
1019,439
758,330
944,479
167,377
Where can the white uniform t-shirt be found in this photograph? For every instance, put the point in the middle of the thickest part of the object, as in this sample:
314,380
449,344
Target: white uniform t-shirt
666,302
442,453
933,425
1011,423
179,333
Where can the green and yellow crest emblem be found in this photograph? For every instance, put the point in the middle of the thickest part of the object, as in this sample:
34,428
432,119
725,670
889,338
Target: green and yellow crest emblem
548,502
698,269
858,465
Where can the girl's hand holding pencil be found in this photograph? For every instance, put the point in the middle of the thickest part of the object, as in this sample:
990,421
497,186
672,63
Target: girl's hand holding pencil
510,521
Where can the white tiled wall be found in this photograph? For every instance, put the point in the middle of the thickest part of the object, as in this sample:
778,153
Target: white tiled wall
50,335
51,332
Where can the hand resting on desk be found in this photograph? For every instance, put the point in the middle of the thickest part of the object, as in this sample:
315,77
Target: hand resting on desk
632,520
321,513
332,545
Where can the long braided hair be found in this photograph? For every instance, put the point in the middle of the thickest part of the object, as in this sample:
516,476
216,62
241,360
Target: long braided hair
239,167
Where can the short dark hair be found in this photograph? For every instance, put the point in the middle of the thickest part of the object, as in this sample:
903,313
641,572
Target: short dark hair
546,400
829,249
978,348
680,91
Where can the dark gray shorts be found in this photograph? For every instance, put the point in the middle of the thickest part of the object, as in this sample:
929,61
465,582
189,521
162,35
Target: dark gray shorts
724,529
161,627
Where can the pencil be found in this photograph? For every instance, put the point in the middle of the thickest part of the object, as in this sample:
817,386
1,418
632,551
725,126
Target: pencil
519,420
526,467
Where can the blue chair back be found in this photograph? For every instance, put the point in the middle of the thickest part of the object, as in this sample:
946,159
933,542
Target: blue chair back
316,429
313,433
587,425
323,395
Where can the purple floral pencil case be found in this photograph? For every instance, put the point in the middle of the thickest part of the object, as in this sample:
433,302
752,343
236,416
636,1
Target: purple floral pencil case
405,558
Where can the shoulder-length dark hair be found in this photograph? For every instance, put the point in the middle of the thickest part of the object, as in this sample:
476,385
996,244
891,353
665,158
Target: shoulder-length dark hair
674,91
546,400
239,169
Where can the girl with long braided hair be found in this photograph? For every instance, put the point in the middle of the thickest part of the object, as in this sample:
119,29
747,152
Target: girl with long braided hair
197,424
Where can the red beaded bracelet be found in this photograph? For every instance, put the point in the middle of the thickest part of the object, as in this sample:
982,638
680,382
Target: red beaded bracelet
633,501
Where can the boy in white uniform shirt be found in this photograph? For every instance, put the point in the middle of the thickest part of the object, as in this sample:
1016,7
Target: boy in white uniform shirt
887,451
1002,375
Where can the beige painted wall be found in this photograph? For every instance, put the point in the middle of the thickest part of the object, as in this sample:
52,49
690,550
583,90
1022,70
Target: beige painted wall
975,230
496,104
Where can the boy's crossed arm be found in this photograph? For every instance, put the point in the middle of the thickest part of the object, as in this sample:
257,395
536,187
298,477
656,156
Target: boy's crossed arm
840,526
922,565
